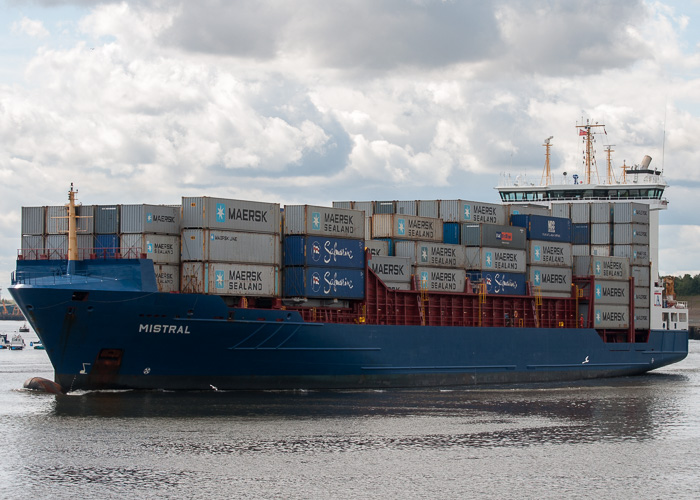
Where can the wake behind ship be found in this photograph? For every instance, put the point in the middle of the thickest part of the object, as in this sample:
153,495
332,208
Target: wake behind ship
233,294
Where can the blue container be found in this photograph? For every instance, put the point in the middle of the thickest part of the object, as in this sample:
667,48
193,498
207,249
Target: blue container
542,227
580,234
106,245
451,233
324,252
324,283
501,283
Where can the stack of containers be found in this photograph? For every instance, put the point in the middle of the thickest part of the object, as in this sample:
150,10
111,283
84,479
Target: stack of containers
496,257
230,247
324,252
56,239
550,260
153,231
455,212
33,226
631,240
106,230
426,257
611,292
601,229
365,206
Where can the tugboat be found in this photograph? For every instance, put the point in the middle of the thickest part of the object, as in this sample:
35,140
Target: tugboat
3,341
24,328
17,343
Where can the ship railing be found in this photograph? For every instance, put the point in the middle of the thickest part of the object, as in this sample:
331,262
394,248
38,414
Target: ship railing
87,253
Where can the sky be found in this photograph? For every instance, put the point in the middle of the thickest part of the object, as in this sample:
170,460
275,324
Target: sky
314,101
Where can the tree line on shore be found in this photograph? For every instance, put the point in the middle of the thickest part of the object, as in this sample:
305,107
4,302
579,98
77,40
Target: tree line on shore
687,285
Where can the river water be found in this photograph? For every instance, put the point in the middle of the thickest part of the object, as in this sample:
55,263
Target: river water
636,437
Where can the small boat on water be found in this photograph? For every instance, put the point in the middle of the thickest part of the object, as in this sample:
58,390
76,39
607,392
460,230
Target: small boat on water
3,341
37,345
16,343
24,328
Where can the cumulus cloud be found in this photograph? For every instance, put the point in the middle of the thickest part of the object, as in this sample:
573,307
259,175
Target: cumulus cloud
30,27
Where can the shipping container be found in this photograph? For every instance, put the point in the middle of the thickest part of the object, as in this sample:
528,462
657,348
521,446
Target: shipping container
233,215
637,254
625,213
610,268
642,318
324,221
379,248
631,234
500,283
472,211
368,228
451,233
323,282
580,213
429,208
437,279
57,246
85,246
544,228
160,248
611,292
152,219
364,206
107,246
561,210
581,234
601,234
390,245
218,245
550,253
57,219
491,235
32,247
384,207
406,227
601,212
33,220
409,207
106,219
496,259
424,253
396,269
321,251
528,209
611,316
218,278
581,250
642,296
343,204
167,277
582,265
641,275
397,286
601,250
550,279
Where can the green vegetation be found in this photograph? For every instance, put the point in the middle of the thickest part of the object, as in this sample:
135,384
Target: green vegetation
687,285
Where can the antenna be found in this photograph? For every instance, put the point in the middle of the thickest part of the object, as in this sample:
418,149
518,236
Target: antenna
547,174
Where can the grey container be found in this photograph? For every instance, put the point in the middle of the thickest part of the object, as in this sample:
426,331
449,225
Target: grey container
409,207
581,250
32,247
167,277
641,275
610,268
492,235
580,213
377,248
365,206
397,286
528,209
394,269
57,219
384,207
106,219
496,259
631,234
550,279
550,253
56,246
561,210
637,254
153,219
342,204
600,234
611,292
233,215
160,248
406,227
324,221
601,250
217,245
642,296
33,220
472,211
582,265
642,318
429,208
436,279
424,253
368,227
637,213
244,280
611,316
601,212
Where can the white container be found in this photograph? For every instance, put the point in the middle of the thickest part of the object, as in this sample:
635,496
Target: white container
152,219
406,227
611,292
324,221
233,215
600,234
244,280
377,248
550,253
550,279
393,269
631,234
167,278
611,316
425,253
472,211
496,259
437,279
217,245
160,248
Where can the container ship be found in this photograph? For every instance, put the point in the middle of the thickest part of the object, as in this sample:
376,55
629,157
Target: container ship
557,283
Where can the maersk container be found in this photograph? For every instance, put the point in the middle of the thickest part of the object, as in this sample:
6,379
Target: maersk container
580,213
396,269
324,283
390,245
409,207
642,318
320,251
152,219
550,279
167,277
601,212
641,275
106,219
160,248
544,228
581,234
601,250
561,210
32,247
611,292
610,268
625,213
217,278
500,283
33,220
527,209
397,286
642,296
472,211
107,246
424,253
451,233
384,207
380,248
437,279
550,253
611,316
406,227
491,235
601,234
637,254
631,234
324,221
218,245
234,215
496,259
581,250
429,208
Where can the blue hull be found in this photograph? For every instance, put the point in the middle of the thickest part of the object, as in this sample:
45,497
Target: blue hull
140,339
